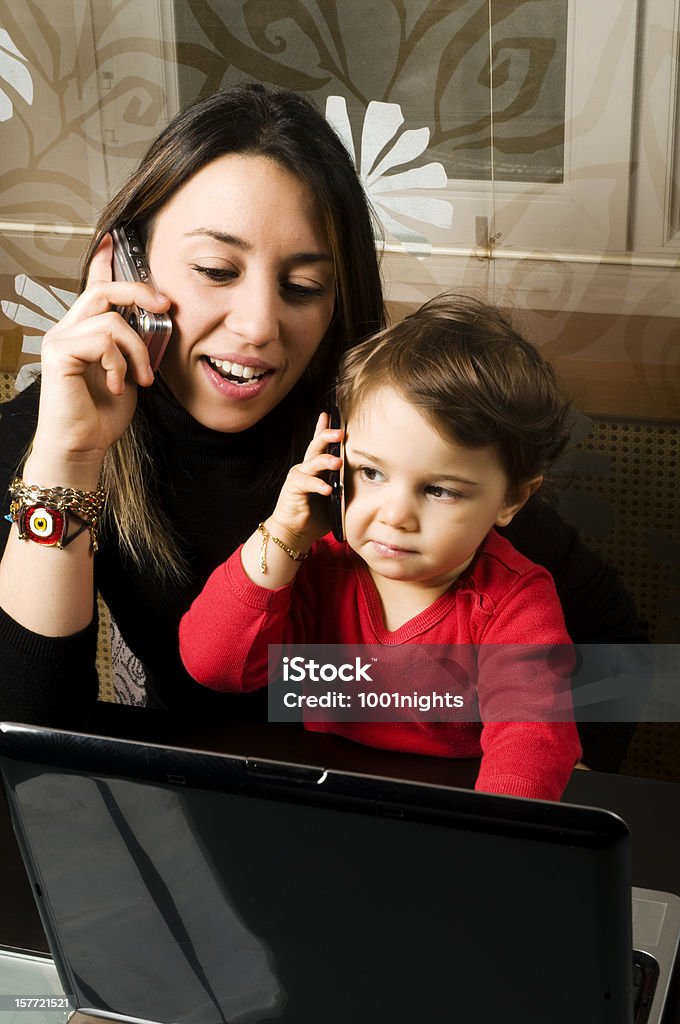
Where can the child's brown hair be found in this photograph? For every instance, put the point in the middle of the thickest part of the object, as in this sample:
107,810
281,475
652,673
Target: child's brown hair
463,365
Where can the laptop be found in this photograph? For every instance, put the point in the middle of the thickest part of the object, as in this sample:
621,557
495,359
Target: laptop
182,886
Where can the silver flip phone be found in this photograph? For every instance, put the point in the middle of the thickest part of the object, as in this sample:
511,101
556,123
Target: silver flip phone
129,264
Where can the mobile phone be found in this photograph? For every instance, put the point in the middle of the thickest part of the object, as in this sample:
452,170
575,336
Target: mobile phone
336,479
130,264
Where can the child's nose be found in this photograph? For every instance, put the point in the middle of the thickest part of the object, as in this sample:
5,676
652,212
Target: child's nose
398,511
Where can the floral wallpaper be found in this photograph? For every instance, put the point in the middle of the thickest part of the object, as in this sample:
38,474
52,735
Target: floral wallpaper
458,114
430,58
380,134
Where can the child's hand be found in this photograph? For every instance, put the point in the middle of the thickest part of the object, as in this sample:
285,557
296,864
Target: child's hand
298,519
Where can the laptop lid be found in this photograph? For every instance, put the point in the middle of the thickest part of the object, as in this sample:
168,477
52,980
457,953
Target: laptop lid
177,885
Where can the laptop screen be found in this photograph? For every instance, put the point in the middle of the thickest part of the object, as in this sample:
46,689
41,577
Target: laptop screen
180,886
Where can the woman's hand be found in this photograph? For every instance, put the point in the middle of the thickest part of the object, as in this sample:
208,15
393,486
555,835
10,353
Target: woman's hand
298,519
92,362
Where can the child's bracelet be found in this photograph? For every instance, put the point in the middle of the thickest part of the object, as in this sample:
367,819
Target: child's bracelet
44,514
297,556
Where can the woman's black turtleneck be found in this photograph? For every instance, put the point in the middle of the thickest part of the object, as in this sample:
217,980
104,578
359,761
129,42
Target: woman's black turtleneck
211,489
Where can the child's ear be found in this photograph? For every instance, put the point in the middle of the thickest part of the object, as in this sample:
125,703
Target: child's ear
516,499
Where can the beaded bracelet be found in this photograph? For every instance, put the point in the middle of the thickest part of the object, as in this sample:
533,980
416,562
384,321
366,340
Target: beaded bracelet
45,514
297,556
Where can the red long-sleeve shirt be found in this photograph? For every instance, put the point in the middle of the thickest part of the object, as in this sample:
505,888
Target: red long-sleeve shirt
501,601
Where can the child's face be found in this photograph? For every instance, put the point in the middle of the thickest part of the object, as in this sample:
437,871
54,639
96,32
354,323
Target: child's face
417,506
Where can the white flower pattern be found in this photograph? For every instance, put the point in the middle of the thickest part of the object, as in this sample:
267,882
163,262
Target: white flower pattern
381,125
47,307
14,73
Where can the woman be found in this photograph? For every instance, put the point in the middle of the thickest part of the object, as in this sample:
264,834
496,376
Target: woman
259,239
256,226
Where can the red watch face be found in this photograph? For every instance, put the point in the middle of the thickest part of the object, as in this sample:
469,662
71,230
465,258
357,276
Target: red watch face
43,525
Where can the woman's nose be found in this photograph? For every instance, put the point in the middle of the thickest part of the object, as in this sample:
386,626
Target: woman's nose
253,311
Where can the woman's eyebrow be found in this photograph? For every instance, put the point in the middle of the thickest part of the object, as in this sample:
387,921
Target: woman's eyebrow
219,236
310,257
241,243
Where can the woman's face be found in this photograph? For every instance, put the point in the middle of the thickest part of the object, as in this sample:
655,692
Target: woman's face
241,252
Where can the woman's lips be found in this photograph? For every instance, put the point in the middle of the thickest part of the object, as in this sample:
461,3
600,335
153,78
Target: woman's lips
233,366
250,388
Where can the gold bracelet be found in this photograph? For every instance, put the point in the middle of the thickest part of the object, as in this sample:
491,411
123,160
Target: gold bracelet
43,514
297,556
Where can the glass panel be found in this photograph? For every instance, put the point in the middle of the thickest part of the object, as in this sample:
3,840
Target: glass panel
529,80
433,61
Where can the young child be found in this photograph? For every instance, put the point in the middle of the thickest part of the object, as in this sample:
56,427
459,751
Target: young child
451,419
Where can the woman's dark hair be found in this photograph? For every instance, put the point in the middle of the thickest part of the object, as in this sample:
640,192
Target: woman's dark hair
463,365
286,128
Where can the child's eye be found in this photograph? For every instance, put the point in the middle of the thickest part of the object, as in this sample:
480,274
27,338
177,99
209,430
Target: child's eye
435,491
370,473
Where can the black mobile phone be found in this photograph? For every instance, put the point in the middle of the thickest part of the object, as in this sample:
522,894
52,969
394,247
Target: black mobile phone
130,264
336,480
